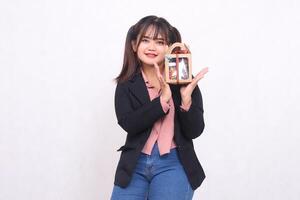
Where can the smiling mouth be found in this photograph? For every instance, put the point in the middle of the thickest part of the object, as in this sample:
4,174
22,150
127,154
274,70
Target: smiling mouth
151,55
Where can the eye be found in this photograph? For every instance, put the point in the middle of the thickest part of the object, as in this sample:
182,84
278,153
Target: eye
160,42
144,40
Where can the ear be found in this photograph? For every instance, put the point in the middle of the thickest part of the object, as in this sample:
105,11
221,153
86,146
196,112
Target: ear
134,46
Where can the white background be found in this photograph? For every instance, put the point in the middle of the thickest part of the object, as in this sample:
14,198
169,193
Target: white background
58,130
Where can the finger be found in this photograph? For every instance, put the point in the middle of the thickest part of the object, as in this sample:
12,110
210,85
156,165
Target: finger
201,74
159,75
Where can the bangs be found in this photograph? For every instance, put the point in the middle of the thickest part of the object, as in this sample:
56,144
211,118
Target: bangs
155,29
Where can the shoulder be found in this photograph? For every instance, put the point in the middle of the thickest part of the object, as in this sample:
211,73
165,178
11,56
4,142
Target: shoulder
133,80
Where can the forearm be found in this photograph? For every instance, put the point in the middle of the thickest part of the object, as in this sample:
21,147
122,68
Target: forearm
135,121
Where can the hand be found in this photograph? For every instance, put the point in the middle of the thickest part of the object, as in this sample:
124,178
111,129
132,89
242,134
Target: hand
186,90
166,93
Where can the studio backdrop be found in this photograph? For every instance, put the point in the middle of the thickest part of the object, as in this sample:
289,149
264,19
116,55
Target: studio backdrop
58,129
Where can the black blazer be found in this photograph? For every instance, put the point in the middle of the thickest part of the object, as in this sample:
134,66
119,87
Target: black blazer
136,114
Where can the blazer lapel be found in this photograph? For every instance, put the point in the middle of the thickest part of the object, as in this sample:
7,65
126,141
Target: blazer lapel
138,88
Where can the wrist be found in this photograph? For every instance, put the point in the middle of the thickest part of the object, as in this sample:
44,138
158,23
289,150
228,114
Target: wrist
186,101
164,99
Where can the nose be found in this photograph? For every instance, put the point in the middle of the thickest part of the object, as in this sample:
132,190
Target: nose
152,45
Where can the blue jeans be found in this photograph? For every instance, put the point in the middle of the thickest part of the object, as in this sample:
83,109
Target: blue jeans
156,178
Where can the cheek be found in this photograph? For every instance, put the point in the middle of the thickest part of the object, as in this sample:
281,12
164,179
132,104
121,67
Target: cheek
165,50
161,57
140,50
141,47
139,55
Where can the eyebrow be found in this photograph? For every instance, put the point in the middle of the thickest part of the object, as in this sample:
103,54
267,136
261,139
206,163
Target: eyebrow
147,37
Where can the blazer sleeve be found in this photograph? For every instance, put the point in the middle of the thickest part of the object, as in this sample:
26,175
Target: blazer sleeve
192,121
135,121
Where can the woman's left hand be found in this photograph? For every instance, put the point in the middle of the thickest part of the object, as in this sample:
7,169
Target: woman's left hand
186,90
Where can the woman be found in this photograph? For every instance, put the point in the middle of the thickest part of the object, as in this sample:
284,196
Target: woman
158,161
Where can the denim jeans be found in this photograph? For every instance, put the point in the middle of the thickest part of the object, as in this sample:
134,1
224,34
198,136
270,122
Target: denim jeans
156,178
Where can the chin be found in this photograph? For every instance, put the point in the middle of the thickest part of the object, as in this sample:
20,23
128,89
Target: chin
151,62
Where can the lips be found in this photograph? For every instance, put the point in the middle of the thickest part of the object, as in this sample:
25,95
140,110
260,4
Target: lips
151,55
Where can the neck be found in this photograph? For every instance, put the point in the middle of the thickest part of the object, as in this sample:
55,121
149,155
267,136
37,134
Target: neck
150,71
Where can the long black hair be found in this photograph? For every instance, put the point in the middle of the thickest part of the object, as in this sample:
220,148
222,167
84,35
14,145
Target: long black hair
131,63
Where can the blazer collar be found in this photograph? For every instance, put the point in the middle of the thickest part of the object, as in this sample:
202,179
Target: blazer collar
138,88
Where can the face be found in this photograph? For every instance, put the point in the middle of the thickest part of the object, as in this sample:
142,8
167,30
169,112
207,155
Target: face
150,49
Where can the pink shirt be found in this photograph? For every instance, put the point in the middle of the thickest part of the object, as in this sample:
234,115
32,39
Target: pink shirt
163,129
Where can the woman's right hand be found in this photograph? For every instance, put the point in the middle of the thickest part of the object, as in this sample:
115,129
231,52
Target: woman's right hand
166,93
